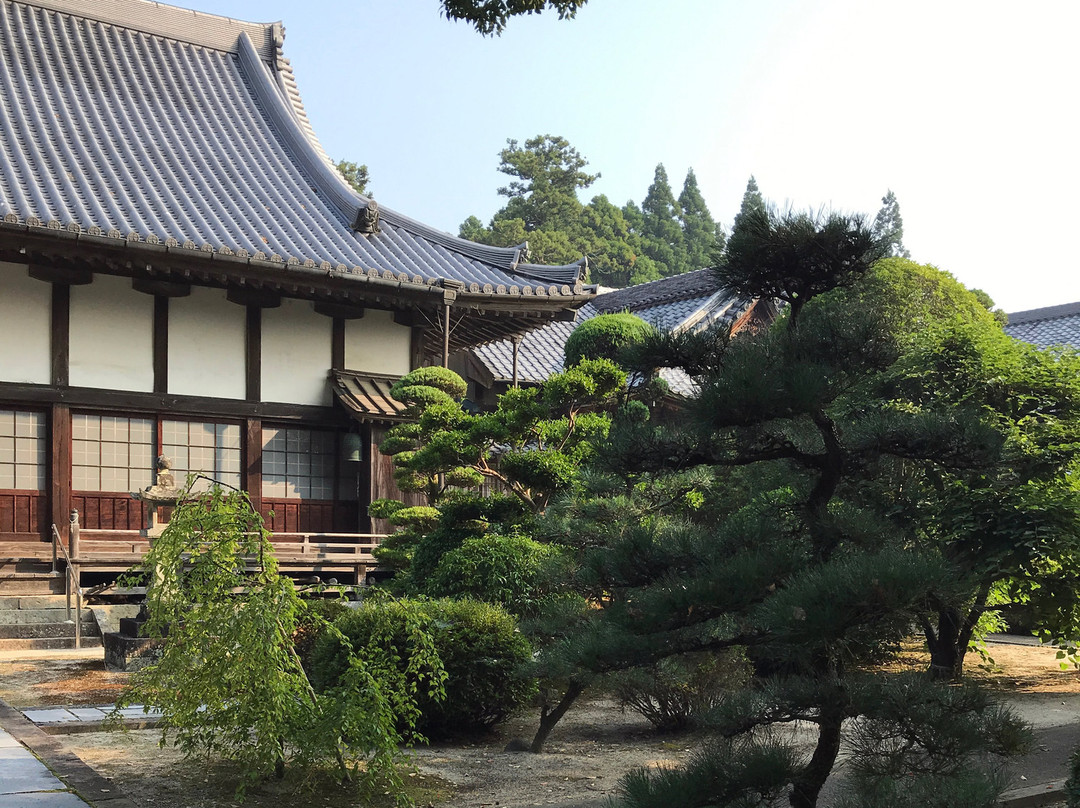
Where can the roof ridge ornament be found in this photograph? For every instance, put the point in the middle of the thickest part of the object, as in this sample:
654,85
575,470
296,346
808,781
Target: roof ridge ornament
367,218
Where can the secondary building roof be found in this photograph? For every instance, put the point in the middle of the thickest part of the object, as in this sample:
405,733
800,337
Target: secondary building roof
155,130
693,300
1047,327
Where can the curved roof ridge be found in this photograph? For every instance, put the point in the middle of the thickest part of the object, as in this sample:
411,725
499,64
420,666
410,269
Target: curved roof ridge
300,134
291,90
172,22
692,284
281,109
1045,313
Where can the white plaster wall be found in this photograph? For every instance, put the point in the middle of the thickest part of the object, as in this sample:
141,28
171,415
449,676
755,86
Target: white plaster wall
207,356
296,354
25,325
112,336
376,344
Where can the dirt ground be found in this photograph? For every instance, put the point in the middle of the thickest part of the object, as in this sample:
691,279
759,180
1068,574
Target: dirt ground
588,752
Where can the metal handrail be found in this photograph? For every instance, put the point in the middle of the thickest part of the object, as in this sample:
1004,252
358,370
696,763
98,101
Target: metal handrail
71,576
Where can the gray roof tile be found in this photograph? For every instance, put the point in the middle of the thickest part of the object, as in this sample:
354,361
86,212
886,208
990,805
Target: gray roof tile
1047,327
693,300
152,122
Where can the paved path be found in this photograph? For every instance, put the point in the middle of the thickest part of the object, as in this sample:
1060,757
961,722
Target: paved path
26,782
37,771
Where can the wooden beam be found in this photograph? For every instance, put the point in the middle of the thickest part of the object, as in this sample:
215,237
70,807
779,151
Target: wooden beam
60,467
68,276
258,298
60,333
161,344
253,347
339,311
170,403
160,288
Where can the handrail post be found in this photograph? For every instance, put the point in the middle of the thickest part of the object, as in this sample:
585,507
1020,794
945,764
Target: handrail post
73,537
55,537
78,610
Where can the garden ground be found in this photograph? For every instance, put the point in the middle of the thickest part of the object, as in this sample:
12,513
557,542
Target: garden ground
590,749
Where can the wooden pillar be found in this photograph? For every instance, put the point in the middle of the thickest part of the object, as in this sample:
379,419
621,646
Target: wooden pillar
364,477
416,348
337,350
161,344
516,342
446,336
60,336
251,479
253,347
60,467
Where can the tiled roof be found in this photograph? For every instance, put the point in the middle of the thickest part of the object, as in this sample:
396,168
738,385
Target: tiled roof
689,286
153,124
366,396
1046,327
690,301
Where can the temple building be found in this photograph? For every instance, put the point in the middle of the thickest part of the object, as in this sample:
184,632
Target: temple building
185,273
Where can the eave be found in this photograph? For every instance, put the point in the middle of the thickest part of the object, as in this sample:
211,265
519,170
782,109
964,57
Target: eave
478,314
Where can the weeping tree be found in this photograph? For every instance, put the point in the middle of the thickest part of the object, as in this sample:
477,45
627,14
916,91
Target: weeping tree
229,681
791,556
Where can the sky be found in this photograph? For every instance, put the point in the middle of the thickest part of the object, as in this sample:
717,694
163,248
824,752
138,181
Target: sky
967,111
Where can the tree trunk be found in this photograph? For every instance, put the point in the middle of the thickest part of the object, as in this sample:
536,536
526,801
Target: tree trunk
807,786
948,644
548,719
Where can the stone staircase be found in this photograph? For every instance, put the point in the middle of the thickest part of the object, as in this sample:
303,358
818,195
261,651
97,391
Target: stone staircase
33,608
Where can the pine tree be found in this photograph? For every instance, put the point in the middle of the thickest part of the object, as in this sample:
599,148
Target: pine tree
752,201
703,238
663,237
790,555
889,226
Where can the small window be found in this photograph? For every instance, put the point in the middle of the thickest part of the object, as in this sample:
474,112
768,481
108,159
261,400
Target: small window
22,450
209,449
111,453
298,463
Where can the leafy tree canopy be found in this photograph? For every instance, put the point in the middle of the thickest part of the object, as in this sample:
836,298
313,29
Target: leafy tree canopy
491,16
623,246
356,175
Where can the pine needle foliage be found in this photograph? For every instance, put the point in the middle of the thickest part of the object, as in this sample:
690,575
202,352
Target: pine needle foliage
802,552
229,682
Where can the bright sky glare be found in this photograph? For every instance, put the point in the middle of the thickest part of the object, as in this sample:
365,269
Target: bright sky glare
967,111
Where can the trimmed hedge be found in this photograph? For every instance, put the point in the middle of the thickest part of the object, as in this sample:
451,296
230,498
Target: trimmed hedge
604,337
508,570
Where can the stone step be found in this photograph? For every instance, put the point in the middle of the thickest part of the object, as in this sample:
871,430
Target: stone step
45,643
9,564
29,584
13,617
46,631
34,602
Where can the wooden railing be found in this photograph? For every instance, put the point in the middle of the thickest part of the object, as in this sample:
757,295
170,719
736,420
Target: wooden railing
115,550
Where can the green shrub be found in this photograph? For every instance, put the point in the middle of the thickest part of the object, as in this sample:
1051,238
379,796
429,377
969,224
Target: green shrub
1072,785
677,691
440,378
480,649
605,336
384,508
310,624
508,570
